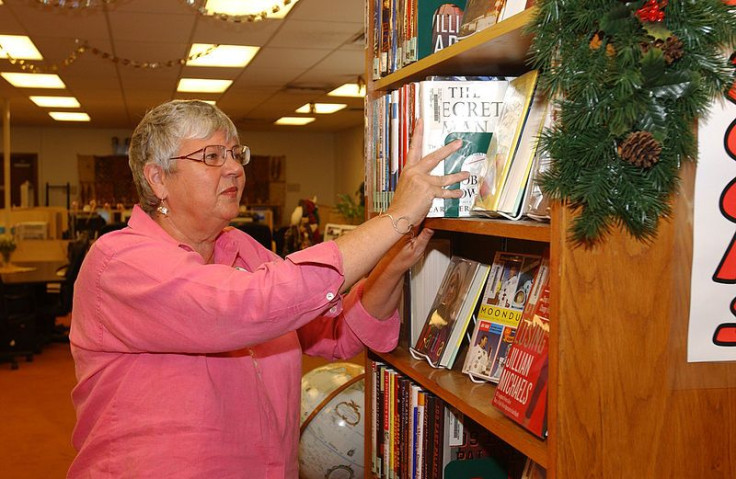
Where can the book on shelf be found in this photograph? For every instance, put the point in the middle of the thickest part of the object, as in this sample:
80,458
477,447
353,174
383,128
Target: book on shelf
482,468
422,434
512,7
536,202
521,393
511,202
438,22
451,310
425,278
504,145
509,288
532,470
458,106
478,15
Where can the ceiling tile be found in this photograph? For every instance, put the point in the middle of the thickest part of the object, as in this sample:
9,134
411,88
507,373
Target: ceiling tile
314,34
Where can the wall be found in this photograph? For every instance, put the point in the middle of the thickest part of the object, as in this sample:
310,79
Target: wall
321,164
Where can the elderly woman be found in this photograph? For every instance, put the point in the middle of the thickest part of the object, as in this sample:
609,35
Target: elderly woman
187,335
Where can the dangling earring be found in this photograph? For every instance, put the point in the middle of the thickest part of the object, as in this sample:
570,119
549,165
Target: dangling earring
163,209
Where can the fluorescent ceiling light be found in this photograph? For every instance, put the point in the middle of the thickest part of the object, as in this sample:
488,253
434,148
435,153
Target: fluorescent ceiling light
251,7
69,116
56,101
349,89
294,120
19,47
222,56
33,80
321,108
203,85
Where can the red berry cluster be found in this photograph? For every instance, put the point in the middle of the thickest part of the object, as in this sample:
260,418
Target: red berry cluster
652,11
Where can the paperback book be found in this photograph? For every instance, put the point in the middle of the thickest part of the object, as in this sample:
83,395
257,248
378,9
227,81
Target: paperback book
522,390
507,291
451,311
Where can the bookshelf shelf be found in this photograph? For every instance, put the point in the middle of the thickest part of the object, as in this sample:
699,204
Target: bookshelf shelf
525,229
471,399
501,49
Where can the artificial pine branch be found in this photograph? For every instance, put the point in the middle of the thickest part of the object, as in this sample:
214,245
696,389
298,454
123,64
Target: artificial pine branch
616,74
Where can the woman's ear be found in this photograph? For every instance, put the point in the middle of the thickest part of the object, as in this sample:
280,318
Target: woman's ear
155,177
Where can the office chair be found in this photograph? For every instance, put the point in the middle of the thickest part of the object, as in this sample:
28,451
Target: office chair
59,303
18,335
258,231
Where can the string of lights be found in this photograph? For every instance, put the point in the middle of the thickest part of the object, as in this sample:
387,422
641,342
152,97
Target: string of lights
84,47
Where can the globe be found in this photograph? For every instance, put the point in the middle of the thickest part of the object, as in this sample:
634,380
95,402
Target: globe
332,435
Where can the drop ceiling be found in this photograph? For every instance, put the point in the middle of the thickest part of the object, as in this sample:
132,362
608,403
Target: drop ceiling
317,47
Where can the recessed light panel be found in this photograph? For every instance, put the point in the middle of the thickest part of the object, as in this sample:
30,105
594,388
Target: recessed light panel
294,120
222,56
203,85
56,101
321,108
19,47
33,80
251,7
69,116
349,90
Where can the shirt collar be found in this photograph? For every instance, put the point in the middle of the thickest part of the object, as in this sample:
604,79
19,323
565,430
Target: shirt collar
226,248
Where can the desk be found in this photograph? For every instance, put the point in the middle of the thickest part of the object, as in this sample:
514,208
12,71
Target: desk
25,294
43,272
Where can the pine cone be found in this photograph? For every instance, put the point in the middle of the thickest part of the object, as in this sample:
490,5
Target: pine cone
640,148
673,49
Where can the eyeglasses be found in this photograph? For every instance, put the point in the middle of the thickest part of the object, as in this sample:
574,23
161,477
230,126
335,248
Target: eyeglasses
215,155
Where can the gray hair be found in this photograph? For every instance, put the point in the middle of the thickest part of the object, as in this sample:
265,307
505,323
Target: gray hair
159,134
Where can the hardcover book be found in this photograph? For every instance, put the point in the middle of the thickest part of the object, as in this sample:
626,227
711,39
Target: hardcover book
449,107
425,278
479,14
438,22
505,142
512,7
522,390
509,287
451,310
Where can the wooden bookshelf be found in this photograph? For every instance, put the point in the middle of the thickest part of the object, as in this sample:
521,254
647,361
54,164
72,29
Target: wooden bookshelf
623,402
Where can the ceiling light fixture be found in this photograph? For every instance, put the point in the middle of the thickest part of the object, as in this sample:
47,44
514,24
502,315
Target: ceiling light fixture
56,101
321,108
206,55
294,120
238,11
33,80
203,85
18,46
353,90
69,116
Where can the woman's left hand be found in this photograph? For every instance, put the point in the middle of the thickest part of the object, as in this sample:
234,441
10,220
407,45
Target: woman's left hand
383,287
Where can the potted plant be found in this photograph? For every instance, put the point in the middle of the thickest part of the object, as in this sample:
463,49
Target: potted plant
351,209
7,246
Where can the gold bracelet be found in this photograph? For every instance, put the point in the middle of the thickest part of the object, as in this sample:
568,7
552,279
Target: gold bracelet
395,224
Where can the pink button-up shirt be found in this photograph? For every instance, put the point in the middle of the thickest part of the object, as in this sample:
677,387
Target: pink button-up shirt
188,369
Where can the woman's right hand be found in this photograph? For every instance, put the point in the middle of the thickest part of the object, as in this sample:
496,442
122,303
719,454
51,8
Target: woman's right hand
417,187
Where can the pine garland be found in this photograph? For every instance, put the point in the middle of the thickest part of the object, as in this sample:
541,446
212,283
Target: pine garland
631,78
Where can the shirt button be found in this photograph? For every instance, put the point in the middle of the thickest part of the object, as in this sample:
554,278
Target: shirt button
330,296
333,309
